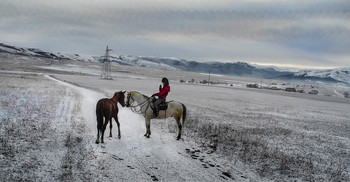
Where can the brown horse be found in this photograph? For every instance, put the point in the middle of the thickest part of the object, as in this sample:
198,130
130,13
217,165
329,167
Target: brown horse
108,108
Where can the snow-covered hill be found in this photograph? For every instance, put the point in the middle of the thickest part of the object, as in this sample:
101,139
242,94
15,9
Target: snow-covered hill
35,52
339,74
142,62
237,68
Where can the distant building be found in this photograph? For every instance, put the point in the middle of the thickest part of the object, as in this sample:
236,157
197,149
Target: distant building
289,89
301,91
313,92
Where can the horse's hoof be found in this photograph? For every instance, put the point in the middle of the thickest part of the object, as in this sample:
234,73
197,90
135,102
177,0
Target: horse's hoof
119,137
97,142
102,142
148,136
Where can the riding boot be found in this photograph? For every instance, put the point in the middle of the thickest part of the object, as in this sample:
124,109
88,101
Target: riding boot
155,113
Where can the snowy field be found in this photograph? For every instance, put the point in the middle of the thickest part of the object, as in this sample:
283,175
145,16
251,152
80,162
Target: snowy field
232,133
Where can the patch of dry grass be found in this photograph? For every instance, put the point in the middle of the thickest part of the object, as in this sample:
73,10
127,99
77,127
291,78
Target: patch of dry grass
252,145
33,141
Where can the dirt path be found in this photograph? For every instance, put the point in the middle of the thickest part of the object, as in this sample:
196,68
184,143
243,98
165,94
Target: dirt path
136,158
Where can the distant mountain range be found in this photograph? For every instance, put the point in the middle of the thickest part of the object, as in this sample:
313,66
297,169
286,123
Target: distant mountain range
236,69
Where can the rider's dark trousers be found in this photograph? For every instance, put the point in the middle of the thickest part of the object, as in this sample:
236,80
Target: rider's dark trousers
157,102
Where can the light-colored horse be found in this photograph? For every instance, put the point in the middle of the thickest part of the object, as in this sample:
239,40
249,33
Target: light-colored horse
175,109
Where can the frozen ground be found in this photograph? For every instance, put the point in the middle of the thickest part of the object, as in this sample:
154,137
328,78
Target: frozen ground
232,132
49,133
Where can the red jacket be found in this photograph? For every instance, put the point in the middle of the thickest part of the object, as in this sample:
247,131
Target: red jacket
164,92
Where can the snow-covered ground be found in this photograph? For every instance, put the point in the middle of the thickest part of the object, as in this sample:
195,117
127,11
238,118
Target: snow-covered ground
58,110
48,129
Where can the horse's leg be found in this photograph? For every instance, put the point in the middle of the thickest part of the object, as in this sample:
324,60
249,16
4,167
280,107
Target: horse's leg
104,128
148,128
110,128
98,135
116,120
180,128
99,127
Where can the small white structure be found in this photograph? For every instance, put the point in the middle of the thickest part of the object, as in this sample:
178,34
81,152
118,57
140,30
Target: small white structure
106,68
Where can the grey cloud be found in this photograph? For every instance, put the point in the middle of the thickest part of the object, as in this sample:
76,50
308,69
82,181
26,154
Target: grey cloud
284,24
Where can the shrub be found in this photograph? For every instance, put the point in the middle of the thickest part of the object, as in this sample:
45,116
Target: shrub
346,94
253,85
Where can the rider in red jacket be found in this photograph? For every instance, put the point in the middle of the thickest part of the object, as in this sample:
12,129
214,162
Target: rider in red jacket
162,94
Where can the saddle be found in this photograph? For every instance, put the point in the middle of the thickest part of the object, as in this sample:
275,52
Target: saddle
161,106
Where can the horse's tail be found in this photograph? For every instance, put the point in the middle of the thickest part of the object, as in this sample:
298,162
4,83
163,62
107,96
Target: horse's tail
99,115
183,114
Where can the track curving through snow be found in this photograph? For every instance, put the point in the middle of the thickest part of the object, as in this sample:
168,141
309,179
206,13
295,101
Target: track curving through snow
136,158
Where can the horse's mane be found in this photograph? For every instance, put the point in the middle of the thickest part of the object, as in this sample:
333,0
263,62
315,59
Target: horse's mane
145,96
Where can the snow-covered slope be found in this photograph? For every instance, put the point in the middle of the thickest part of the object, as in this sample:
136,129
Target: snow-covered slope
125,60
141,62
35,52
237,68
339,74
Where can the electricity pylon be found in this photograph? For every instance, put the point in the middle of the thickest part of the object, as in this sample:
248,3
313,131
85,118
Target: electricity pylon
106,68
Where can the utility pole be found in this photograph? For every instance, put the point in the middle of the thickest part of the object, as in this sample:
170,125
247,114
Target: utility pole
209,78
106,68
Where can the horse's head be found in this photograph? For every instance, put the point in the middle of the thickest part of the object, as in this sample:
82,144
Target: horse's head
128,99
121,98
132,97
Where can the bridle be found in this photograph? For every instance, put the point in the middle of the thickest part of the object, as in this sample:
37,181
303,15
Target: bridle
141,105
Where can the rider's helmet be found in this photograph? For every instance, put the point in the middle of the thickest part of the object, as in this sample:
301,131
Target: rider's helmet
165,81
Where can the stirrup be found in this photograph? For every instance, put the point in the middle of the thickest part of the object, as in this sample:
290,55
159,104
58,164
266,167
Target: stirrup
154,116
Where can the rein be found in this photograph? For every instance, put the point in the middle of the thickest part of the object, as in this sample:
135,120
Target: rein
133,108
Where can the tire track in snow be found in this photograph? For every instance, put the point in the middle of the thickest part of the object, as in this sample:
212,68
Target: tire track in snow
74,122
133,157
63,111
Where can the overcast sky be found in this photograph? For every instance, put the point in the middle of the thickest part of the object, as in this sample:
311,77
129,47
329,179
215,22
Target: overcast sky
299,33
